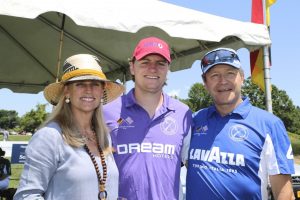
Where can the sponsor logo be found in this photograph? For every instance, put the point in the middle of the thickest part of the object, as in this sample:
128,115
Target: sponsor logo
69,67
201,130
169,126
238,133
125,123
153,44
146,147
215,155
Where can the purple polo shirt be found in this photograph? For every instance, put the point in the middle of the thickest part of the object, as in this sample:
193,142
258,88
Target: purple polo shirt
148,150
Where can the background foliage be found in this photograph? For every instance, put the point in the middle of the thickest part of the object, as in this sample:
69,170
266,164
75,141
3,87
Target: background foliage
9,119
283,106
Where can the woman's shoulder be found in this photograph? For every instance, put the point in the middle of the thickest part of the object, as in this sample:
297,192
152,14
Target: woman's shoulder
50,131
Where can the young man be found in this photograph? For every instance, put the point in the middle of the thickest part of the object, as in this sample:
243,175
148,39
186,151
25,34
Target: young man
148,128
236,147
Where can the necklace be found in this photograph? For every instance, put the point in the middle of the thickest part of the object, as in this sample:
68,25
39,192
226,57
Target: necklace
102,195
89,136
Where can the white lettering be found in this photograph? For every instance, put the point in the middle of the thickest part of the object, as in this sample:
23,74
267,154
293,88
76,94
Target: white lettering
158,148
146,148
169,149
231,158
196,155
289,154
204,154
122,149
215,155
240,161
134,146
223,158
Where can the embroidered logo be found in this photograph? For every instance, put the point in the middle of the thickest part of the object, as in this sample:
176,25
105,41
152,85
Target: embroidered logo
201,130
125,123
169,126
238,133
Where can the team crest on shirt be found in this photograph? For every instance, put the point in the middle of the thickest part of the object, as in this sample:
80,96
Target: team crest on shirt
238,133
169,126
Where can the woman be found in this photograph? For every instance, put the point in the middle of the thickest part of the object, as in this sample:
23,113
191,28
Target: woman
70,156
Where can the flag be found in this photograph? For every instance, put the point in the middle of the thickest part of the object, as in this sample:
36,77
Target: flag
268,4
256,57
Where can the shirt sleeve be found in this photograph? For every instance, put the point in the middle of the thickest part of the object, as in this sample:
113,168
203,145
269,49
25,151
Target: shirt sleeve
280,155
42,158
185,147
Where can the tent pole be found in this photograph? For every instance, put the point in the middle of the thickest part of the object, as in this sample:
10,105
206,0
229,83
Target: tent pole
60,46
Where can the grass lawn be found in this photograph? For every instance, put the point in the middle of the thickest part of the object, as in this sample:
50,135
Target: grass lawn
16,170
17,137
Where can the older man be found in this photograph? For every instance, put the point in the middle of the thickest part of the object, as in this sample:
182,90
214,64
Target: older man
236,147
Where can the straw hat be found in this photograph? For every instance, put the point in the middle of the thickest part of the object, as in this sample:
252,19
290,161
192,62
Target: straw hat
82,67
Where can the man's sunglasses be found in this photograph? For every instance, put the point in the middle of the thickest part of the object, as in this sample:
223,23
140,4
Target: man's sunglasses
218,56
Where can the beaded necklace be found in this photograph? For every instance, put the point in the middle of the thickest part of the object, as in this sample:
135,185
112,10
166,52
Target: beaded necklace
102,195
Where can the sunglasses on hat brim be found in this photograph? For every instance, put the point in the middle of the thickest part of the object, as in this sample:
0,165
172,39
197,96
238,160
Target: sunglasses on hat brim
218,56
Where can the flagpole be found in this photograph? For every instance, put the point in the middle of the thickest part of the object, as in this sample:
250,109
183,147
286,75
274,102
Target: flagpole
267,80
267,76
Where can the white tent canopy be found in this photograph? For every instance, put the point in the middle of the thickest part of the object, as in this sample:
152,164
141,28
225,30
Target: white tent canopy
30,36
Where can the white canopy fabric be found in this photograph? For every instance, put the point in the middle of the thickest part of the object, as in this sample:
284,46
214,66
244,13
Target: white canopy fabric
30,36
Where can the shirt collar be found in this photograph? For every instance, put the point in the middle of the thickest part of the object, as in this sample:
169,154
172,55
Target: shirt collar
131,101
242,109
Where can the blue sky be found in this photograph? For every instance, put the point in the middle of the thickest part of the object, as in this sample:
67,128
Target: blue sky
285,68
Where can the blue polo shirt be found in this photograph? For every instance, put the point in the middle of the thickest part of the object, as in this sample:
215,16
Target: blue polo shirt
148,150
231,157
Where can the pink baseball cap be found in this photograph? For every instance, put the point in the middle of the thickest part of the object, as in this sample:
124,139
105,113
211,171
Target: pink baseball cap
152,45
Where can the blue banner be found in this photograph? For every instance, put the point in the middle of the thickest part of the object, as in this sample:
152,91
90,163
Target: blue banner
18,153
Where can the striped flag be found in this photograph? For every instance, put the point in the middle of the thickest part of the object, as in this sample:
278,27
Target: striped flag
256,57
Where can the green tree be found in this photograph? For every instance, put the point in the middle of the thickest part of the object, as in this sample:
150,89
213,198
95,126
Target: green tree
282,105
34,118
198,97
255,94
8,119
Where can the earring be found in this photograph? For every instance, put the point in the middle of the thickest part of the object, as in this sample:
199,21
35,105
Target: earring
67,100
101,101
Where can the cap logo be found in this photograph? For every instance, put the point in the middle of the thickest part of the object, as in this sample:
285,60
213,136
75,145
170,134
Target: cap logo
154,44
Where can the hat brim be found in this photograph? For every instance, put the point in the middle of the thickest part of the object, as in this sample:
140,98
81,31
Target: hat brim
145,53
112,90
234,65
53,92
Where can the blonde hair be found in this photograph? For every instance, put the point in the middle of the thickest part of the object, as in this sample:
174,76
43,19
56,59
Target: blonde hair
63,115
